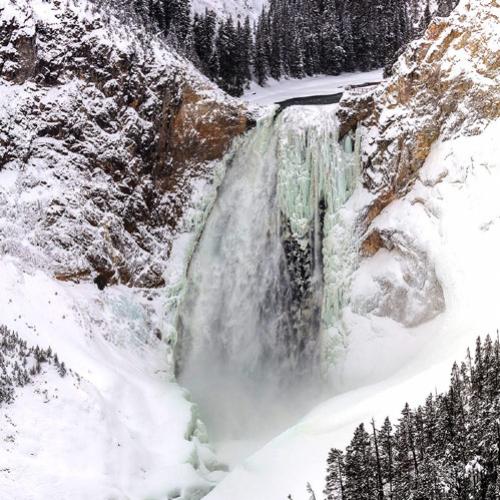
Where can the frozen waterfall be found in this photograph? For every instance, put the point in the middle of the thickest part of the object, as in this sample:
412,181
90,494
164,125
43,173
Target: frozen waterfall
262,283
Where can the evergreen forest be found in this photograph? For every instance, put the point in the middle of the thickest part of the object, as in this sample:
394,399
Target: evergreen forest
447,448
291,38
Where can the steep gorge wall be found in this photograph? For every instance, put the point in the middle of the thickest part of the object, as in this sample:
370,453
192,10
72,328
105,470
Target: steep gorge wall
445,86
104,133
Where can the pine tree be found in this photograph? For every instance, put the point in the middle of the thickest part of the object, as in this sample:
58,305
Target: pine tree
275,54
312,495
297,63
378,462
359,466
405,458
335,478
246,50
333,54
260,58
426,18
445,7
386,440
347,38
204,29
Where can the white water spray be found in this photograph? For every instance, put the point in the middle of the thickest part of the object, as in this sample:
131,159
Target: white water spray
259,292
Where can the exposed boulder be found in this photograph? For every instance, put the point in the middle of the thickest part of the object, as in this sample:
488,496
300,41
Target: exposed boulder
399,282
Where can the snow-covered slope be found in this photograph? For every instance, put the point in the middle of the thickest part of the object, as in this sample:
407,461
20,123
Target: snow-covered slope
116,426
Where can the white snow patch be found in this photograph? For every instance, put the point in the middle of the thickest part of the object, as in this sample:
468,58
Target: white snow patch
125,429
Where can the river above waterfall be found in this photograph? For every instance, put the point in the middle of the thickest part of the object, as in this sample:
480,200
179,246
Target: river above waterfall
319,85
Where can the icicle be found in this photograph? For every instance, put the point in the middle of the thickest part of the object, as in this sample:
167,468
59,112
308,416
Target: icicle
313,167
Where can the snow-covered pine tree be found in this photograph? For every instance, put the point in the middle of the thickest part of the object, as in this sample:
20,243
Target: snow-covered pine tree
204,31
332,53
226,48
335,475
259,56
378,463
178,19
347,39
426,18
386,441
445,7
360,468
405,458
246,47
275,45
309,489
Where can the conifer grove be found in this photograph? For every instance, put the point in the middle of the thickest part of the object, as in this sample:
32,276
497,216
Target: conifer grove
448,448
291,38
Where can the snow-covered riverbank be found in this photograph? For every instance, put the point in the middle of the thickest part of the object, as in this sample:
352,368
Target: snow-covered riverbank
276,91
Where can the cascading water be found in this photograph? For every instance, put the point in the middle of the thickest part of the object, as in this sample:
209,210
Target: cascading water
259,292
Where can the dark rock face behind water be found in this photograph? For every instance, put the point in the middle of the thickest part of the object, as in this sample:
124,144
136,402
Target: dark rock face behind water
302,296
114,129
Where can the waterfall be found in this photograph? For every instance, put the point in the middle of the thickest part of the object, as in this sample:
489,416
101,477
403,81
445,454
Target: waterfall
261,290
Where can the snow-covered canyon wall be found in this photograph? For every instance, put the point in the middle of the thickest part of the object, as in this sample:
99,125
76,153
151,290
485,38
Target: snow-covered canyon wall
107,137
445,87
113,130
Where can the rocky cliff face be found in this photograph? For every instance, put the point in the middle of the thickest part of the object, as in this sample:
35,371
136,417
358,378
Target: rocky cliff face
446,85
104,133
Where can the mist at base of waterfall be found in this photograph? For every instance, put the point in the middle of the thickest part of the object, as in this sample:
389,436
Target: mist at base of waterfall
243,412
